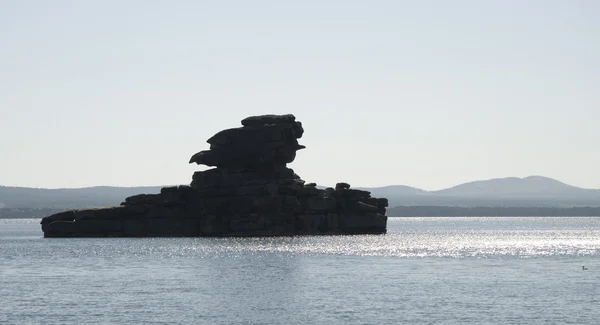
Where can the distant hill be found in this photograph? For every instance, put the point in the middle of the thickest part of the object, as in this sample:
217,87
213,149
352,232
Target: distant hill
533,191
532,186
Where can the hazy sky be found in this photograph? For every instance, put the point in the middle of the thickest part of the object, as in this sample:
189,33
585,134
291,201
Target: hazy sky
422,93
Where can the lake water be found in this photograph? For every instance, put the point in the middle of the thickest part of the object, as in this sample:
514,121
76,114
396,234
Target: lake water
424,271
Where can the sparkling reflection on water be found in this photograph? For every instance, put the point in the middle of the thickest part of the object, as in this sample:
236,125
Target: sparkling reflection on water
425,270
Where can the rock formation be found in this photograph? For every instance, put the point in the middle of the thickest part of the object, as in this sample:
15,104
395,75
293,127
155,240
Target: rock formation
250,192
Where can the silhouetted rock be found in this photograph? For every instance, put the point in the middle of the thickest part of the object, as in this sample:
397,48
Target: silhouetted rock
255,145
268,119
342,186
251,192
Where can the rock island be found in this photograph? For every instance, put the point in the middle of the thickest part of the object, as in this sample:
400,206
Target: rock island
249,192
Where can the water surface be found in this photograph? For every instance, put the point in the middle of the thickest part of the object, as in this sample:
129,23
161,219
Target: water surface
424,271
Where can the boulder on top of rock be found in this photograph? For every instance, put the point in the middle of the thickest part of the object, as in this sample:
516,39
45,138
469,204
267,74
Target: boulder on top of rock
257,134
342,186
265,140
268,119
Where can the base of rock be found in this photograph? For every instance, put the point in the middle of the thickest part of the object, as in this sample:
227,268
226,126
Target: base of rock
289,210
191,228
65,229
238,226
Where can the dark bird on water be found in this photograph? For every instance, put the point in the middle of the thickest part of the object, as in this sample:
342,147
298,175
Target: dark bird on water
583,267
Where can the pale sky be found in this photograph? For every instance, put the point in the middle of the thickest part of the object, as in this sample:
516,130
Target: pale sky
421,93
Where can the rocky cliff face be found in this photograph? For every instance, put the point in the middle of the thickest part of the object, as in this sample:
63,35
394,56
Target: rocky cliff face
250,192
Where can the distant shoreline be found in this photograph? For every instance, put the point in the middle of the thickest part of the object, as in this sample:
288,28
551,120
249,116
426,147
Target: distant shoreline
449,211
28,213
